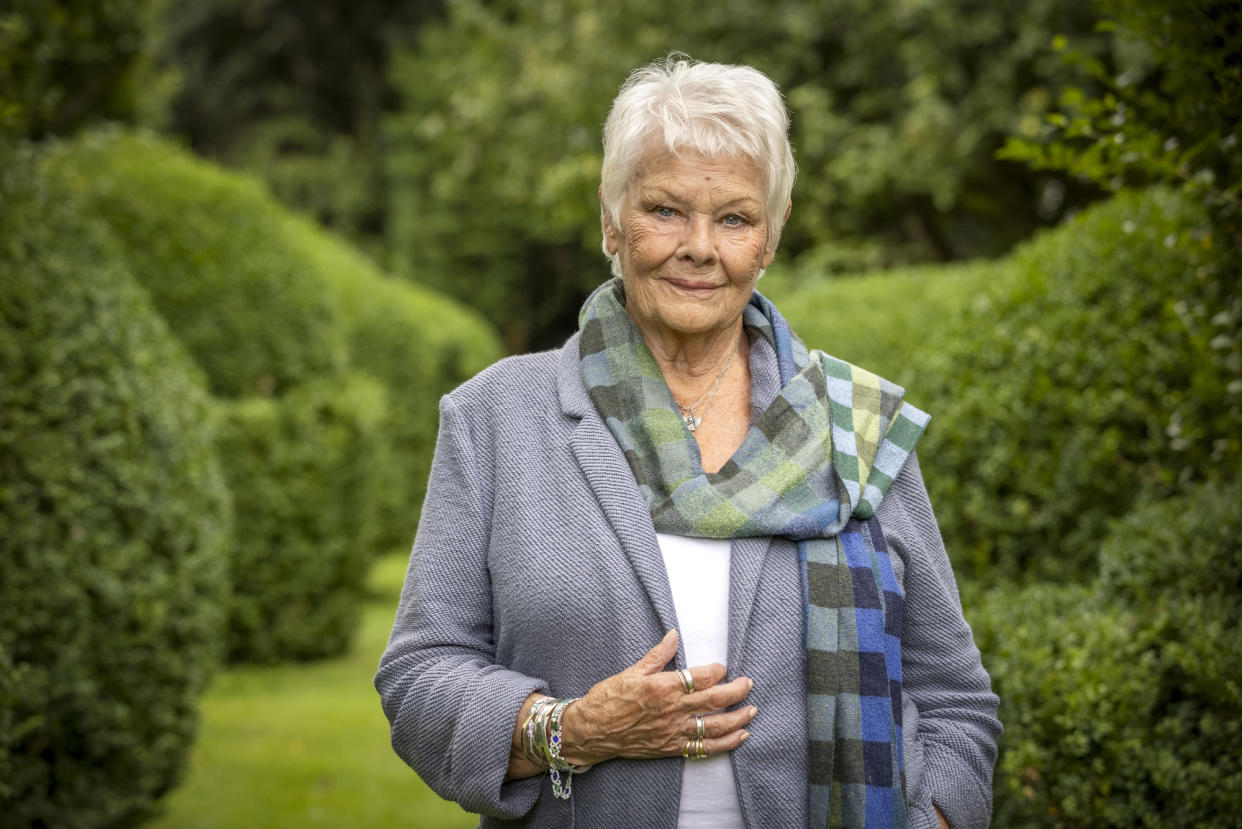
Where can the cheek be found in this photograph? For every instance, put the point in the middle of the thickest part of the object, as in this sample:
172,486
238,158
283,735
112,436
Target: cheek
644,242
747,253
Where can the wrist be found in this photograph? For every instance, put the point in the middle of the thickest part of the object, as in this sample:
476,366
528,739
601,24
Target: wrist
575,736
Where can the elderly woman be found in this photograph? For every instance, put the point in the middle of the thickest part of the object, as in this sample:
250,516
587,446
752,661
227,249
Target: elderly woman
683,571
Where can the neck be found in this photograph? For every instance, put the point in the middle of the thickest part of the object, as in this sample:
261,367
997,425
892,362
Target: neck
691,363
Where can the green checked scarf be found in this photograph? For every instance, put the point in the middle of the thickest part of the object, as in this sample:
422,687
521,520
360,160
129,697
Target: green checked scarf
812,468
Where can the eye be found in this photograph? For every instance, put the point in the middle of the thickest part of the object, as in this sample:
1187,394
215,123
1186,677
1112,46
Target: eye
664,212
734,220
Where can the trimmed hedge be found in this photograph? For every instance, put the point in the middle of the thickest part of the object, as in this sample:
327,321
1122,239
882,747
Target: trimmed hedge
212,249
1079,384
267,300
889,322
280,314
421,345
301,471
1065,383
1123,703
114,520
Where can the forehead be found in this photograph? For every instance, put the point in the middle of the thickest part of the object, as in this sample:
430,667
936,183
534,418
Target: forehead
738,176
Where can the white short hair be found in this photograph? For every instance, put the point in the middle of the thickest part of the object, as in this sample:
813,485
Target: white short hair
714,109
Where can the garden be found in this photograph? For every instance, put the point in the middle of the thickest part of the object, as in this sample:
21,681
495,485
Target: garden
246,245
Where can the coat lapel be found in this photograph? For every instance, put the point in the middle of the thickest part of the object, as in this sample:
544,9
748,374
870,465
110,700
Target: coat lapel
612,482
745,566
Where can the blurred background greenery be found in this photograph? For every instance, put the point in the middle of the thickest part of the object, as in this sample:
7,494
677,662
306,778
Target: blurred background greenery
245,245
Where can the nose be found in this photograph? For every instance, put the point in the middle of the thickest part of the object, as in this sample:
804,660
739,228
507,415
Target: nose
697,243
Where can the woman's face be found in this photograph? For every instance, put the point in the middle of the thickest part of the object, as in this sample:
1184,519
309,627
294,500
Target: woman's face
694,236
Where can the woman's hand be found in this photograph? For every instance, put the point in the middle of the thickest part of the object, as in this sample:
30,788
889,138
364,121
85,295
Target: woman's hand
645,712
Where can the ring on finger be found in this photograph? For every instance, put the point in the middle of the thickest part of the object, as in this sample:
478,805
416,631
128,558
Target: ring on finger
687,681
699,751
699,727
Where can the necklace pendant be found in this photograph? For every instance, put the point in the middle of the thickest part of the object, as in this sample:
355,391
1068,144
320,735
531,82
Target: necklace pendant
692,422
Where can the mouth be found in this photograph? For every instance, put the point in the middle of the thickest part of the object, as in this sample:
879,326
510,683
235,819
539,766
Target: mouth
692,288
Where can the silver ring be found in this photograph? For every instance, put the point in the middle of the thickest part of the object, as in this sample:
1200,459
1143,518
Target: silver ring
687,681
699,727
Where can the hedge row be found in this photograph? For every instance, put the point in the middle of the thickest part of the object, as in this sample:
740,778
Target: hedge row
269,304
1078,386
114,520
1065,383
135,279
1122,700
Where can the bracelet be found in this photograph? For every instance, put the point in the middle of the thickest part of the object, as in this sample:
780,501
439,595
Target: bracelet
541,743
528,731
554,742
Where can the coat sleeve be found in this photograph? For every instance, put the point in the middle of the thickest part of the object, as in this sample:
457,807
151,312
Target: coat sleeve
451,707
954,726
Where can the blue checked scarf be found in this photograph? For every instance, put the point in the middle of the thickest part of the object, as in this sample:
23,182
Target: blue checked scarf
812,468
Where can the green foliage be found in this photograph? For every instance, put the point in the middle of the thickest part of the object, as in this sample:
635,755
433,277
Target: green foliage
213,250
300,467
420,345
888,322
292,92
114,520
273,308
1078,382
493,157
1190,546
68,63
1123,703
1171,117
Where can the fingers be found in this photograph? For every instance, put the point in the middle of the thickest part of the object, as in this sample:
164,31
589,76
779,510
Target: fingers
720,725
714,745
713,697
705,676
655,659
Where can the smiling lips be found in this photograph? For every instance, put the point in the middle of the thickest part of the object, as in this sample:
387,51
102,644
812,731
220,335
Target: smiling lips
700,289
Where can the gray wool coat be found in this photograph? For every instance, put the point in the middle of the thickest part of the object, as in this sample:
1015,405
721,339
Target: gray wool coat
536,568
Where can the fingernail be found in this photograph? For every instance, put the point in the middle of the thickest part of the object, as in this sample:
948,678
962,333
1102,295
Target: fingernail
745,736
750,684
754,709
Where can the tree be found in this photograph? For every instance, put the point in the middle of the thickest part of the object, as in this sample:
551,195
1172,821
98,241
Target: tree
67,63
293,92
493,157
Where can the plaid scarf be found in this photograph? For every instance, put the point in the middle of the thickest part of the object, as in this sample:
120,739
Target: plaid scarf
812,468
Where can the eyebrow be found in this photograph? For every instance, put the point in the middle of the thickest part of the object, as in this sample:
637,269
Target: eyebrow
656,193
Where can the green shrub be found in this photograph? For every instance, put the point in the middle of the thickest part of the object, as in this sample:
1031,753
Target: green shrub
212,249
1190,546
1079,383
276,309
301,471
113,524
1122,702
420,345
889,322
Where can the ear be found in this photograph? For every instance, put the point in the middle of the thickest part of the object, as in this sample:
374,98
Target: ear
612,239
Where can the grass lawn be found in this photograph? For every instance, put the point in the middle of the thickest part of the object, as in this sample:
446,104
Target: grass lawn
299,745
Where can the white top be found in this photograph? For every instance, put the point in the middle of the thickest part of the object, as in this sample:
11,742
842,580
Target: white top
698,573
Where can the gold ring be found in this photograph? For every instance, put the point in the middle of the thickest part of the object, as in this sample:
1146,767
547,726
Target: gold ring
699,751
686,752
687,681
699,727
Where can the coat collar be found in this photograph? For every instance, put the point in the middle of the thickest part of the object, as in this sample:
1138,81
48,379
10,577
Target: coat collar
612,482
